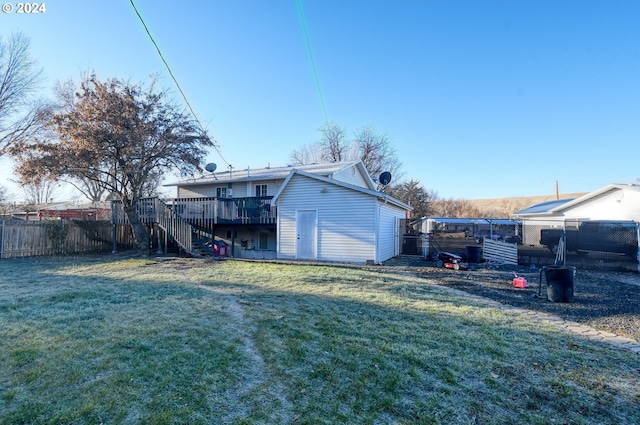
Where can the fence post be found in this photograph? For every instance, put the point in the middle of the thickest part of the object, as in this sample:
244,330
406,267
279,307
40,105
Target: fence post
425,246
114,236
2,240
638,246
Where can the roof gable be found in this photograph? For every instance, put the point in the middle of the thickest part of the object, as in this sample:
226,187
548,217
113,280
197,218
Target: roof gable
591,195
557,207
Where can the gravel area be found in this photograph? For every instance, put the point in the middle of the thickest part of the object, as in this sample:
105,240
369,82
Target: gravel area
608,301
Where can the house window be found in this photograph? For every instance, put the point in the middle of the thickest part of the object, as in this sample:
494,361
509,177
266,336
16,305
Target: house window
221,192
263,242
261,190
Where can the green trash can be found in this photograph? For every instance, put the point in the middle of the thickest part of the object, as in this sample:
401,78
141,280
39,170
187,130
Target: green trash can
560,283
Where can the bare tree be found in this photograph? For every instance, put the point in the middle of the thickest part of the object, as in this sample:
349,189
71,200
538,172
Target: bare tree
373,149
456,208
5,205
39,191
92,189
334,144
332,147
509,206
20,113
307,154
376,152
121,136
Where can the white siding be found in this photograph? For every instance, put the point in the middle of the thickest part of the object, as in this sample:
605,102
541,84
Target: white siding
239,189
346,220
196,192
613,205
286,232
388,231
352,176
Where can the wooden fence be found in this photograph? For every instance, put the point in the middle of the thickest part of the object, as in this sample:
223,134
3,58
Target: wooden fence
55,237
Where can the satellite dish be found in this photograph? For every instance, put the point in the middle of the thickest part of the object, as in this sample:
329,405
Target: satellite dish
211,167
385,178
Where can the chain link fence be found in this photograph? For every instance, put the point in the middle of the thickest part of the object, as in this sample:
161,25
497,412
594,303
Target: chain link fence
589,244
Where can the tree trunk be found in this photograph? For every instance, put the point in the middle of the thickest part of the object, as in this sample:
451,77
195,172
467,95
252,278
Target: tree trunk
140,234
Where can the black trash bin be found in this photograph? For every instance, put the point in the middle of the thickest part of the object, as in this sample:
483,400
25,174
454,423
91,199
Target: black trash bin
410,244
474,253
560,283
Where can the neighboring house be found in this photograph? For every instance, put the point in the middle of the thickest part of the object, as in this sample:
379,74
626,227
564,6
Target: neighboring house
326,212
61,210
69,211
612,202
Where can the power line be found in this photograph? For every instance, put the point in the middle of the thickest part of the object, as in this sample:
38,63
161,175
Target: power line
174,78
313,62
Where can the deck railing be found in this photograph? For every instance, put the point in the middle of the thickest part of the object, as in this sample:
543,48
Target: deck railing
176,226
206,212
153,210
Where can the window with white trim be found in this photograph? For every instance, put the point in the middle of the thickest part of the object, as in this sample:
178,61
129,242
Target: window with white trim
261,190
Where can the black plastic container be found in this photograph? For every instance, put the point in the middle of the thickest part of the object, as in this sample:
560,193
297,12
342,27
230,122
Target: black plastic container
560,283
474,253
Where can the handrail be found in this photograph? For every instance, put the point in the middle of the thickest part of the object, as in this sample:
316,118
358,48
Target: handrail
210,211
153,210
176,226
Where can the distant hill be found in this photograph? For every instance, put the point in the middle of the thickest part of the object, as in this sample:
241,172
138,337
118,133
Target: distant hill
504,207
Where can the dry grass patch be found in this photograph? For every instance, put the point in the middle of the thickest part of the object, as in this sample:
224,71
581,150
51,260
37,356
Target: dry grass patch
187,341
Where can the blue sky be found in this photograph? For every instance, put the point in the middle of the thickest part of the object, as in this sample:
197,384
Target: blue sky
481,98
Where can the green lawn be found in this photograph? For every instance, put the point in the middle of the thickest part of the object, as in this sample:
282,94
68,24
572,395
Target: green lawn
180,341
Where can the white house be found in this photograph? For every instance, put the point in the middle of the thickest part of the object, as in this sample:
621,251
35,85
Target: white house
325,212
612,202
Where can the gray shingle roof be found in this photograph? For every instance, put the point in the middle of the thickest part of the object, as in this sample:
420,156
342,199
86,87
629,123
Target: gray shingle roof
268,173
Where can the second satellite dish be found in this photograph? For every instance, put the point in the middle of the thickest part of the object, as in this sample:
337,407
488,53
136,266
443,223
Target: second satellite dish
211,167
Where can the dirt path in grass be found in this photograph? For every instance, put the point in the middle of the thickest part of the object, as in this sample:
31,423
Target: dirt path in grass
258,381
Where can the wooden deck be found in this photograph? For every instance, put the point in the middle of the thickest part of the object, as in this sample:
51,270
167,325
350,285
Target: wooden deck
204,213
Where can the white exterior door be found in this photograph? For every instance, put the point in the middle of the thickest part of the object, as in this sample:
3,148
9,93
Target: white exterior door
307,234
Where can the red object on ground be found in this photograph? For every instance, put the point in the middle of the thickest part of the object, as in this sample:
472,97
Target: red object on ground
520,282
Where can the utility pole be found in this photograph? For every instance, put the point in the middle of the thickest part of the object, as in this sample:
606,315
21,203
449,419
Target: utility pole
557,191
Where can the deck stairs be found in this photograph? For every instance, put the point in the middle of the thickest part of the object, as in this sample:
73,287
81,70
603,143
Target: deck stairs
202,248
182,232
189,236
